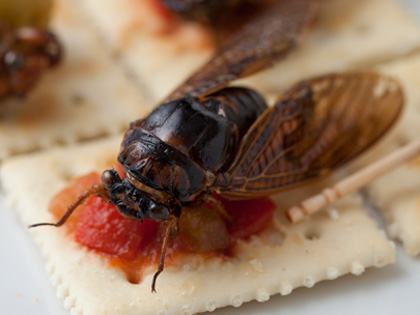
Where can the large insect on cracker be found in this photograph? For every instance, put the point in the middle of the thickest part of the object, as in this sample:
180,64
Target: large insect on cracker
208,138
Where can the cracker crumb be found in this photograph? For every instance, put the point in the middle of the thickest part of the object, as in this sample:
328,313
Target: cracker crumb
262,295
333,213
18,294
211,306
285,288
62,291
357,268
236,300
257,265
187,289
308,281
186,310
69,302
36,300
332,273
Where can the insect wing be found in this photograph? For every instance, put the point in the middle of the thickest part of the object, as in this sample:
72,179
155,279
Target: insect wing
256,46
317,126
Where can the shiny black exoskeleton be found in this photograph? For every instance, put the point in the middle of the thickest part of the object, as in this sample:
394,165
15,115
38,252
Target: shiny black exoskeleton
172,157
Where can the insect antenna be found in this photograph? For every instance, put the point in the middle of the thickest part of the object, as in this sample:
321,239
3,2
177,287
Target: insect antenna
171,229
98,190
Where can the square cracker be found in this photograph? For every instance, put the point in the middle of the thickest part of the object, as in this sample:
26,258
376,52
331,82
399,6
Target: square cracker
87,96
346,35
284,257
160,58
397,194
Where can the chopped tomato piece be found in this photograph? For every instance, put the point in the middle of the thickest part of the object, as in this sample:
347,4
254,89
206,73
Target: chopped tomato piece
202,230
249,216
64,198
101,227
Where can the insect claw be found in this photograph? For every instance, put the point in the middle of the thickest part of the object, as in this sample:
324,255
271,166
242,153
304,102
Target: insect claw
157,273
42,224
171,225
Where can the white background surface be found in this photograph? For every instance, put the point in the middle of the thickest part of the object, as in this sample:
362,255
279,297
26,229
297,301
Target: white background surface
25,289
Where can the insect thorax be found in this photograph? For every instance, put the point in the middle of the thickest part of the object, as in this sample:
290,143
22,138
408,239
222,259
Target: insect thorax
181,142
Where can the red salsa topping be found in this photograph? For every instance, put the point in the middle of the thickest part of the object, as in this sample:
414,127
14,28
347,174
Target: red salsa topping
133,245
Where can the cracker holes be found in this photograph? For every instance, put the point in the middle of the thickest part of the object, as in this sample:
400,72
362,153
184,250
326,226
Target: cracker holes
312,235
77,100
363,29
66,175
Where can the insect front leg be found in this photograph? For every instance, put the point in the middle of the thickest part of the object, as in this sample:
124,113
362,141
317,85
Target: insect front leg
98,190
171,230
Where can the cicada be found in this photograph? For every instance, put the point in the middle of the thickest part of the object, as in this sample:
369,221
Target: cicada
25,54
210,138
27,48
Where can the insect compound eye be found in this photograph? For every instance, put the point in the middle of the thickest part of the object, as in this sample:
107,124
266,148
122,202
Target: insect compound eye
158,212
109,177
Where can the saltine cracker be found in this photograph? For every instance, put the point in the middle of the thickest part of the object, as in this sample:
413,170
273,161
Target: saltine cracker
330,244
87,96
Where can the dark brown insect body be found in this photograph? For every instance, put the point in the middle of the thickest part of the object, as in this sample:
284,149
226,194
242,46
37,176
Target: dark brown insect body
181,147
208,138
25,54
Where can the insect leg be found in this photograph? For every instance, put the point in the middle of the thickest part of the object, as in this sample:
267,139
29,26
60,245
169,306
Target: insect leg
171,229
98,190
